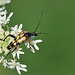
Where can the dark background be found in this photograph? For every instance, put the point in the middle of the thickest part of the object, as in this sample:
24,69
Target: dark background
58,20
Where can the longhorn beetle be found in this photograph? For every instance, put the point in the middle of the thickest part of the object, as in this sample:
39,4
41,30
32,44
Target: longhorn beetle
24,36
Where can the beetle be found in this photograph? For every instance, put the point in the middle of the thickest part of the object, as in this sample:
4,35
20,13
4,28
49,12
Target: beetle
24,36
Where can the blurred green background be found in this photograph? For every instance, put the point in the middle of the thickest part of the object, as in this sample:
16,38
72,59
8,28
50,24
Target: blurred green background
58,20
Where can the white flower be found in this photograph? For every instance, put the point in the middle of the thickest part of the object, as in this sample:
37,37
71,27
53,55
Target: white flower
15,30
7,33
1,31
5,63
1,59
5,50
1,9
33,43
1,50
3,2
8,18
29,46
18,52
13,64
3,19
1,42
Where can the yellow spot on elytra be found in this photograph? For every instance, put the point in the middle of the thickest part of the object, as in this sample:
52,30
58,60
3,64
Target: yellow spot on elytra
15,43
21,35
22,39
10,46
17,37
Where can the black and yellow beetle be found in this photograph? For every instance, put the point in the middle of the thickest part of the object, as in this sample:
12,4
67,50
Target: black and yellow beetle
24,36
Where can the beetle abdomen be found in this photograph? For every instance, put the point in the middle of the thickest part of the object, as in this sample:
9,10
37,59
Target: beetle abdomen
10,45
20,39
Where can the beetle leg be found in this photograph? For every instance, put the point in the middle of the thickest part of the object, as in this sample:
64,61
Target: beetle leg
15,48
29,42
8,36
11,51
26,31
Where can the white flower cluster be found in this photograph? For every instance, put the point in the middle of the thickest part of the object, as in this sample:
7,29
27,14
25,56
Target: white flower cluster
3,2
12,62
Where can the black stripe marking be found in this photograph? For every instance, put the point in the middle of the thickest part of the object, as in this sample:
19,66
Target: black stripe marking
17,43
8,47
11,44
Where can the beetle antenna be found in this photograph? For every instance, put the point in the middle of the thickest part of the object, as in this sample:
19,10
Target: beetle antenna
49,35
39,21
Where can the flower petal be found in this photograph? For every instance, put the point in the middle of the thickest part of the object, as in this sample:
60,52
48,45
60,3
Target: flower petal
37,41
32,49
18,69
20,52
36,47
23,69
8,18
18,56
20,49
15,28
23,65
14,54
12,28
2,8
20,27
10,14
7,1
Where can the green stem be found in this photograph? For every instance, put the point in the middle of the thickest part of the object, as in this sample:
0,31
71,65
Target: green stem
7,28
